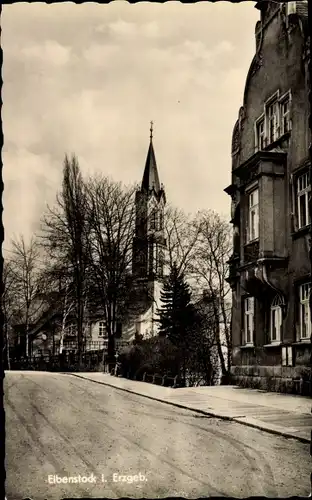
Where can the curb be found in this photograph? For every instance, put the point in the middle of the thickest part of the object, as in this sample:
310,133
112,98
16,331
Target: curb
287,435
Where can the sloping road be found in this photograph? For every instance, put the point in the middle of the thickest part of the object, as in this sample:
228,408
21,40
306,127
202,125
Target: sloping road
61,426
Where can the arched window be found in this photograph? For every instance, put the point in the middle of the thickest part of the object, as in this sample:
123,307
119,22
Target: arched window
161,220
276,319
153,219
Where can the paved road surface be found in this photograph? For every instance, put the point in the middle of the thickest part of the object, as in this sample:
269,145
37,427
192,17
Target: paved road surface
60,425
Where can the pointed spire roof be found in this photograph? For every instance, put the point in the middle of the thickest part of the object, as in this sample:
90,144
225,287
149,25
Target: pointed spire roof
150,177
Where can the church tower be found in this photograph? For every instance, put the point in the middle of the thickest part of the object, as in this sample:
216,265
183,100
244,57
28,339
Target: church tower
149,244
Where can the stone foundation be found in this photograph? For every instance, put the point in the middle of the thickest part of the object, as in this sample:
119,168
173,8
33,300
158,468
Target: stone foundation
284,379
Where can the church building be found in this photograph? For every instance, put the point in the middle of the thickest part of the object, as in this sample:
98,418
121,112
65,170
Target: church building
149,246
148,260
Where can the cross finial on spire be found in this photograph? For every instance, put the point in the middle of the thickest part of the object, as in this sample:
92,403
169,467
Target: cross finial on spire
151,130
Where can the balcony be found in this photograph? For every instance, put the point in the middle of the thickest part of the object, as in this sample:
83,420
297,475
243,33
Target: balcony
233,264
251,252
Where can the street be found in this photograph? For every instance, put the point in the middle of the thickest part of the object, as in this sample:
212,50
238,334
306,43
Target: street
62,430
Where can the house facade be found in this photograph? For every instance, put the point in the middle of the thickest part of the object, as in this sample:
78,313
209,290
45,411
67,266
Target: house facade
270,269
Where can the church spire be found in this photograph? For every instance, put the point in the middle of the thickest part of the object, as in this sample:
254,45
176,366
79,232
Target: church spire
151,130
150,177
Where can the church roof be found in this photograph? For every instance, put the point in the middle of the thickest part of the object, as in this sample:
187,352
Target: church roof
150,177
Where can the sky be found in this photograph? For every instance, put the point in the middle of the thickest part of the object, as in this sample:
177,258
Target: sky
88,79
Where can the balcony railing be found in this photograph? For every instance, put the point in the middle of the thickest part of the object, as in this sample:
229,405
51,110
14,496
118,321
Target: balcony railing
251,251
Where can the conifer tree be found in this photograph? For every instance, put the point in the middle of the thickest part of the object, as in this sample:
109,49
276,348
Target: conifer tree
177,314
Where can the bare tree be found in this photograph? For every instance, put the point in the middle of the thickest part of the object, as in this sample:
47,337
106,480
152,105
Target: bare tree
68,308
210,268
8,306
111,210
25,271
65,237
181,236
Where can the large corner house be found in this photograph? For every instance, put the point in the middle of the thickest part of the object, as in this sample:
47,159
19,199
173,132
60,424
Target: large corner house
270,270
147,269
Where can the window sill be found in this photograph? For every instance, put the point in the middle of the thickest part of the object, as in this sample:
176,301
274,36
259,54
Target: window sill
282,137
273,344
302,342
301,232
247,346
250,242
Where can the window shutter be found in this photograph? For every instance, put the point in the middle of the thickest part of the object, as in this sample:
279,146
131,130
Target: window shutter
290,355
284,356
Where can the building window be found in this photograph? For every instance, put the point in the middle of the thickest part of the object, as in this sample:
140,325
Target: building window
285,114
249,313
154,219
272,121
161,221
160,262
102,329
155,258
71,330
303,190
287,356
276,320
304,311
260,134
253,215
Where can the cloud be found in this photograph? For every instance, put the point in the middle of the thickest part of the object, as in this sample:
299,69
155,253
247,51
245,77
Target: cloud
89,78
98,55
50,52
122,28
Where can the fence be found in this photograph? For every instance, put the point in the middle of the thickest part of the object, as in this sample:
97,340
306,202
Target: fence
162,380
89,361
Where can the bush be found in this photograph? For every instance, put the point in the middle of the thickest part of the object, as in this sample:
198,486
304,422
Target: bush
155,355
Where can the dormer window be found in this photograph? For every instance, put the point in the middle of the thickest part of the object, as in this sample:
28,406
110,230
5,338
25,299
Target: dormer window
274,122
285,114
260,134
